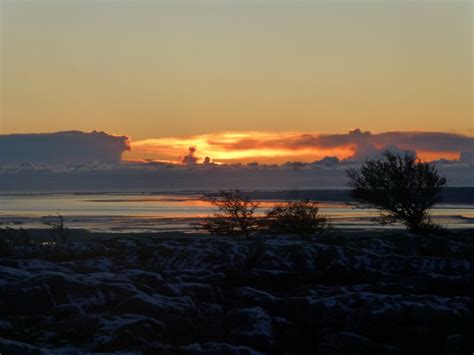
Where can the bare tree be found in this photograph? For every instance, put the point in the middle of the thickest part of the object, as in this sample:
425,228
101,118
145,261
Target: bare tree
235,215
298,217
402,187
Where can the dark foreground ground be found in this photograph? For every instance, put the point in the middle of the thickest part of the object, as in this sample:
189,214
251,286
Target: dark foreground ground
357,293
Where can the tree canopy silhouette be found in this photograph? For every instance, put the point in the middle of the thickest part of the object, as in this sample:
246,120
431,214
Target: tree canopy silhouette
296,217
235,214
402,187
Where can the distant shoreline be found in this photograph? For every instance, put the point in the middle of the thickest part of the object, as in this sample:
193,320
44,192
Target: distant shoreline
464,194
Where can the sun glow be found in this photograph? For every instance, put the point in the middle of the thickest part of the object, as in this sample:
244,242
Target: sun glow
430,156
281,147
232,147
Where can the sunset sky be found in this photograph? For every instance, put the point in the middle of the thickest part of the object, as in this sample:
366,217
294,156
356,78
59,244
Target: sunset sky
187,73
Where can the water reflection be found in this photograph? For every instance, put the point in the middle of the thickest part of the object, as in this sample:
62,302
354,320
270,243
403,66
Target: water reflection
140,213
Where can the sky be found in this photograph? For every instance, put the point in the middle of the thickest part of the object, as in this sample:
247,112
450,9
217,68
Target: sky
188,73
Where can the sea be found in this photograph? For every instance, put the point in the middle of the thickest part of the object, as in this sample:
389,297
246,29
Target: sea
178,211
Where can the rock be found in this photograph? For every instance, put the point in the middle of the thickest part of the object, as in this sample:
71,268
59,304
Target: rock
156,305
177,313
211,321
12,347
295,309
40,293
252,296
357,293
65,311
349,343
291,338
213,278
151,279
5,326
455,344
251,327
78,330
129,331
197,291
218,349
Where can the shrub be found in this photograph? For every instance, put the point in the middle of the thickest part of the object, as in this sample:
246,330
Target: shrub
300,218
59,233
235,216
11,240
401,187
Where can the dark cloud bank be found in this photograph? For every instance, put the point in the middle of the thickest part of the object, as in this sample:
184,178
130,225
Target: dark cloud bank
88,162
154,177
418,141
63,148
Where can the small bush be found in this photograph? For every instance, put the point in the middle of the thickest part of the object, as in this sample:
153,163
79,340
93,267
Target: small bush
235,216
59,233
301,218
11,240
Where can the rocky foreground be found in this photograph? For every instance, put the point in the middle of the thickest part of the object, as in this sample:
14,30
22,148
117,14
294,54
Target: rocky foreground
390,293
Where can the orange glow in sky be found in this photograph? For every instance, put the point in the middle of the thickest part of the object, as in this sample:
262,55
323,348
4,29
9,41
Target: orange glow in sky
232,147
430,156
254,146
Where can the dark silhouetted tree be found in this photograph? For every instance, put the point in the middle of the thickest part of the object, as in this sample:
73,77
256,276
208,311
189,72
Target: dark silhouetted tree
402,187
235,215
299,217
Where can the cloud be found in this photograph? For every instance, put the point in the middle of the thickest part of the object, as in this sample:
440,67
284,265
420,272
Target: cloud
279,147
190,158
151,177
71,147
467,157
328,161
370,151
77,161
231,147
